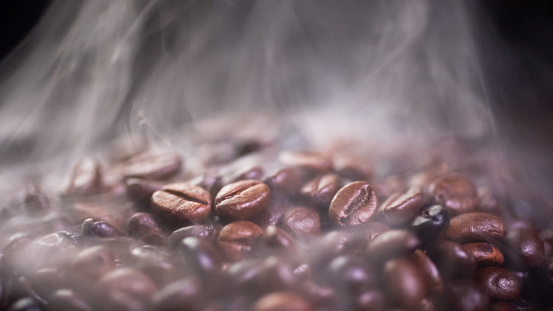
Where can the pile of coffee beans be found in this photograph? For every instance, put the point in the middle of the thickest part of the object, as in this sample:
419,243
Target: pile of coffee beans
268,230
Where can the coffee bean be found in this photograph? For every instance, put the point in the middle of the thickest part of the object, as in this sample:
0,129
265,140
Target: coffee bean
353,170
123,301
331,245
373,229
463,296
430,223
432,278
26,304
242,276
67,299
316,294
242,200
140,224
202,256
485,254
391,244
142,189
51,250
475,227
287,180
404,284
279,301
455,192
301,222
99,228
450,258
499,283
237,239
354,204
86,178
157,263
311,161
369,299
276,274
46,280
320,190
400,208
181,204
128,281
92,263
182,294
349,272
278,238
207,232
154,166
255,172
527,244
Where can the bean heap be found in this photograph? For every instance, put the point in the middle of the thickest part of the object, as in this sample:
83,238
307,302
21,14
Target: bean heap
307,232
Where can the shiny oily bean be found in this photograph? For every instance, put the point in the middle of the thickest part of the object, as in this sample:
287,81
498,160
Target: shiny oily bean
354,204
404,284
237,239
475,227
391,244
450,258
432,277
181,204
499,283
207,232
242,200
99,228
485,254
455,192
400,208
430,223
301,222
279,301
140,224
320,190
528,245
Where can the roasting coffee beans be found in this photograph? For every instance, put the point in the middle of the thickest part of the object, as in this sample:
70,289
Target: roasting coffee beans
137,233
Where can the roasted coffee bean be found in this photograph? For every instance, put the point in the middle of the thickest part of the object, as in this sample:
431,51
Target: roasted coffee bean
349,272
237,239
392,244
463,296
184,294
153,166
248,146
35,199
242,276
320,190
26,304
123,301
368,300
450,258
432,278
202,256
51,250
278,301
92,263
278,238
181,204
288,180
211,183
242,200
430,223
404,284
317,294
312,161
207,232
330,246
399,208
373,229
67,299
527,244
485,254
301,222
86,178
128,281
353,170
499,283
46,280
255,172
354,204
159,264
455,192
276,274
140,224
99,228
475,227
142,189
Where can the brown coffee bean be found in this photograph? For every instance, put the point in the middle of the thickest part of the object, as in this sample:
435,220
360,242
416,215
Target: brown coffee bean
301,222
391,244
527,243
237,239
288,180
242,200
67,299
450,258
181,204
475,227
499,283
463,296
276,274
182,294
355,204
485,254
86,178
128,281
200,254
350,273
242,276
400,208
432,278
368,300
455,192
255,172
98,228
156,166
92,263
207,232
316,294
279,301
404,284
320,190
157,263
142,189
275,237
141,224
374,229
312,161
352,169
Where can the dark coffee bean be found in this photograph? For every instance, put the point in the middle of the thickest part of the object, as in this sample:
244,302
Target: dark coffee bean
278,238
316,294
320,190
128,281
527,243
276,274
201,255
153,166
373,229
450,258
182,294
475,227
92,263
349,272
157,263
123,301
35,199
331,245
140,224
242,200
392,244
303,272
248,146
404,284
207,232
279,301
499,283
180,204
86,178
255,172
485,254
463,296
368,300
456,193
311,161
354,204
400,208
67,299
432,278
430,223
142,189
99,228
211,183
237,239
302,222
288,180
26,304
242,276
